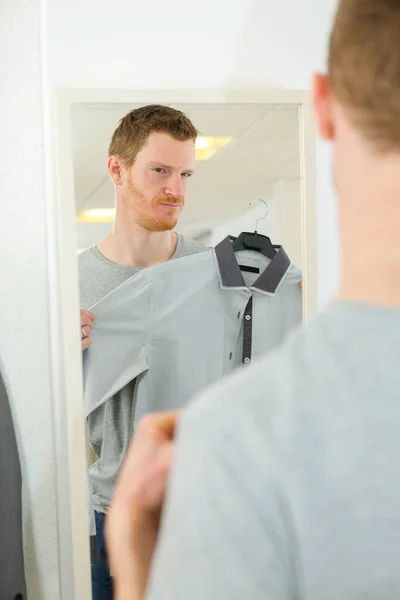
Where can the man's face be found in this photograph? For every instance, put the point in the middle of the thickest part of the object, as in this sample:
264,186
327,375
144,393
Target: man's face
154,188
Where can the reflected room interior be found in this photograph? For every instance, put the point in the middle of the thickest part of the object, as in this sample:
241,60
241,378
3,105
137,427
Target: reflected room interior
247,179
244,152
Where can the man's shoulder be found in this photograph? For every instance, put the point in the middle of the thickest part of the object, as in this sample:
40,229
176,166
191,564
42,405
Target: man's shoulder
86,259
188,246
98,277
89,271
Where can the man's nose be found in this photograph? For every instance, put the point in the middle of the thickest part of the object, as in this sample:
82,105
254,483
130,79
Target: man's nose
175,186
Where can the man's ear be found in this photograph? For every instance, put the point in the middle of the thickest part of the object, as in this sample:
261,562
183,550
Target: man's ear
115,166
323,107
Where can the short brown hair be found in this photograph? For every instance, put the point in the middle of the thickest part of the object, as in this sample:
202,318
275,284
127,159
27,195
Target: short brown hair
134,129
364,68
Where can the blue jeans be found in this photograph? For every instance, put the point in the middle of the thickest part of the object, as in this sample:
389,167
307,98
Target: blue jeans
102,588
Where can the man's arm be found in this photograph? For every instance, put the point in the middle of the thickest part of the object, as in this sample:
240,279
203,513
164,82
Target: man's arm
133,520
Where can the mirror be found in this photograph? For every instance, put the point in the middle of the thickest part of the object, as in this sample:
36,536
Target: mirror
167,328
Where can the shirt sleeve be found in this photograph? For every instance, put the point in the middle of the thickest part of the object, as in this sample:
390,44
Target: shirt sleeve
225,532
120,335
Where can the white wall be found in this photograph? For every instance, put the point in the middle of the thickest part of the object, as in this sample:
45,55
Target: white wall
246,43
24,332
271,226
287,195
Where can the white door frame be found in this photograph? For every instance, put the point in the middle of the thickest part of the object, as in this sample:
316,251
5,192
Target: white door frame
66,365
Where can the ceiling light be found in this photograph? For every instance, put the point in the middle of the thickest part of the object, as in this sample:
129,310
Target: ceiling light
202,142
207,146
96,215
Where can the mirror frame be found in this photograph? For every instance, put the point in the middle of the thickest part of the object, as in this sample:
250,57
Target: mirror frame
65,359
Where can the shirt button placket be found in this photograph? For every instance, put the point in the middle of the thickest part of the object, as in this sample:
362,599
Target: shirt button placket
247,332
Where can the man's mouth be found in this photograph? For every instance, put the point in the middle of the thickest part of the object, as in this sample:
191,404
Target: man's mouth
171,204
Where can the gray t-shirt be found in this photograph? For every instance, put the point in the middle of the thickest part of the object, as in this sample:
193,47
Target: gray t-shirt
110,426
285,481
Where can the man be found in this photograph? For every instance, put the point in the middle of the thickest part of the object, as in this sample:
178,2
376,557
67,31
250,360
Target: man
284,484
151,159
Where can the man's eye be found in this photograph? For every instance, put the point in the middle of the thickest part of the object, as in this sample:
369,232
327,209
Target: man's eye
186,174
160,170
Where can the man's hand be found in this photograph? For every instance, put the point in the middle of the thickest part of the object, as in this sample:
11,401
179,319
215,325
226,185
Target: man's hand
133,520
87,319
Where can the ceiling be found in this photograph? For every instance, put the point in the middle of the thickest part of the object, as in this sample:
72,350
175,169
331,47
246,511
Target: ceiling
264,148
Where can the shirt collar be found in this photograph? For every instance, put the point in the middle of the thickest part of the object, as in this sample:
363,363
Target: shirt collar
231,276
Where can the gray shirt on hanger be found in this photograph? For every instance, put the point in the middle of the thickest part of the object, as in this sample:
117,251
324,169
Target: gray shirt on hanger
184,324
110,426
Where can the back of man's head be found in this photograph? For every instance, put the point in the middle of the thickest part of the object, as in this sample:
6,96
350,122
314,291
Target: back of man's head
364,68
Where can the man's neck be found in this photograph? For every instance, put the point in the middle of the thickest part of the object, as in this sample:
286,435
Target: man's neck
370,241
130,245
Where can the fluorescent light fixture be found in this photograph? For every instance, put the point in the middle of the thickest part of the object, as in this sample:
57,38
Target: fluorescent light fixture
207,146
202,142
96,215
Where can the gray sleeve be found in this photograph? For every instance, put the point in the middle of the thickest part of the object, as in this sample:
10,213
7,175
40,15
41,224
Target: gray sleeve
225,531
120,335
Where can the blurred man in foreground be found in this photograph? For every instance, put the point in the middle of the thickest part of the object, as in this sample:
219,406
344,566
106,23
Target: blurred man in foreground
284,480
